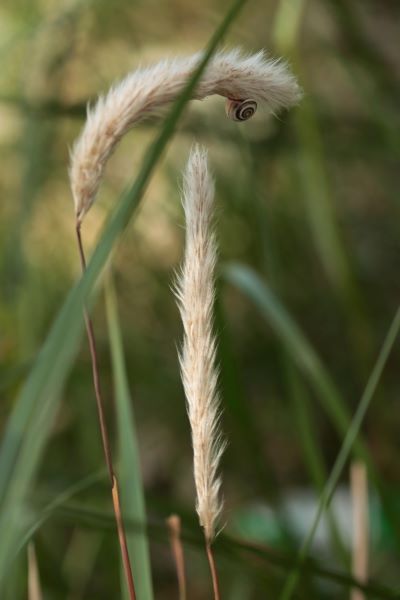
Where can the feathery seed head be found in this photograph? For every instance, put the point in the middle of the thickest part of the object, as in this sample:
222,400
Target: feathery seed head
146,92
195,294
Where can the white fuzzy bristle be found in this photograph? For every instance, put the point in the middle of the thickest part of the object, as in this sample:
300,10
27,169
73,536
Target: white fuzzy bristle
195,294
146,92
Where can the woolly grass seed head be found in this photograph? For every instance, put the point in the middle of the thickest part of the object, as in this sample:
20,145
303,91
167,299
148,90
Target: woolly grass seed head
195,292
146,92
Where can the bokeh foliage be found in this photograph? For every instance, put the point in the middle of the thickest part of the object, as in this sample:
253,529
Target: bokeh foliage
308,201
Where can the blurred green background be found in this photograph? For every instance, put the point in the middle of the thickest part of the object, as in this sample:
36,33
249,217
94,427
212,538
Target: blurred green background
309,201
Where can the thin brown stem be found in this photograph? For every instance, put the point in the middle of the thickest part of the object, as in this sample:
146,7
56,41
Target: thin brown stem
359,494
122,540
213,569
34,586
174,526
104,434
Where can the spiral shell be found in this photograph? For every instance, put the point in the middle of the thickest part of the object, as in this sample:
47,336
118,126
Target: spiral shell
240,110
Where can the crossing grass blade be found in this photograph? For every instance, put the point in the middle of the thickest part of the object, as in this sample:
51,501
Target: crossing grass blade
30,423
312,453
310,175
253,559
308,362
293,339
345,451
129,475
60,499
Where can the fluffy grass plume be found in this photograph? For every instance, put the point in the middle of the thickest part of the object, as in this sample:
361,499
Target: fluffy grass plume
195,294
145,92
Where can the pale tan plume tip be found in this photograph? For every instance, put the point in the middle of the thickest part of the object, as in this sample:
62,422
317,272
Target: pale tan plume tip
145,92
195,294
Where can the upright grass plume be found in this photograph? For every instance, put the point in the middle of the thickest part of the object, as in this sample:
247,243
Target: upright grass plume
195,294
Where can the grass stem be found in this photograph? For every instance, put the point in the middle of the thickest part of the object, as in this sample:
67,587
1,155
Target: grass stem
174,528
104,435
359,497
213,569
34,586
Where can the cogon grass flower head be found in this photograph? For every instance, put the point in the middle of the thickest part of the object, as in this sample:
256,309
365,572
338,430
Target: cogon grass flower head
195,291
244,80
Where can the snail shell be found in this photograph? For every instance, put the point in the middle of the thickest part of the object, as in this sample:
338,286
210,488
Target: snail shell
240,110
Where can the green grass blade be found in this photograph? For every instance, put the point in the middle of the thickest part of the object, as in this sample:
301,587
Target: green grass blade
13,516
308,362
312,453
37,402
320,208
129,475
241,552
299,349
59,500
345,449
310,175
287,22
293,339
305,426
310,567
246,444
